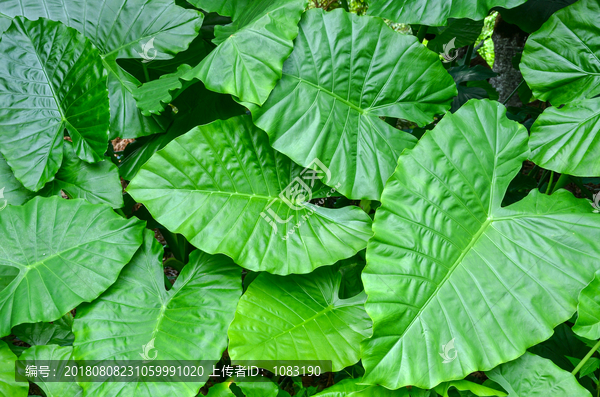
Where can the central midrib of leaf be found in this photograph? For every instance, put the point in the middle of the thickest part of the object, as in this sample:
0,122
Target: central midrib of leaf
304,322
456,263
330,93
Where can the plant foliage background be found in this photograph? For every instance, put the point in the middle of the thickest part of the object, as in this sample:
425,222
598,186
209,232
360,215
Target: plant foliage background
303,180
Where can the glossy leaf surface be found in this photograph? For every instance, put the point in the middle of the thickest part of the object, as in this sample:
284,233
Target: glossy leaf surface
456,283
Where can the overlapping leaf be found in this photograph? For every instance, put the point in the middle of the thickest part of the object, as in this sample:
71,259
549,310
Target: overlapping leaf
58,353
299,318
52,79
196,106
227,191
58,253
561,61
435,12
588,310
228,8
188,322
8,386
121,29
533,376
55,333
456,283
98,183
567,139
344,73
248,61
12,191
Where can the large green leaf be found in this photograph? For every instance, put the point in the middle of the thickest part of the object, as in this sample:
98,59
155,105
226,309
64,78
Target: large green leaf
299,318
215,184
435,12
8,386
588,320
12,191
58,253
533,376
55,333
248,61
561,61
157,29
53,352
52,78
567,139
344,73
188,322
456,283
98,183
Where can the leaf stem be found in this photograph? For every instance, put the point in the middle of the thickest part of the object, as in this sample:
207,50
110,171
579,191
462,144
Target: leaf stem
513,93
469,55
561,182
421,33
345,5
587,357
548,192
534,169
146,75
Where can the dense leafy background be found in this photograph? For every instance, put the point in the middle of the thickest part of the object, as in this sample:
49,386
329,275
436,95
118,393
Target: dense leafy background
340,180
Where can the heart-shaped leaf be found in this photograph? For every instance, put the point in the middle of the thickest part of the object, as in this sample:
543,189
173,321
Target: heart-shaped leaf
567,139
227,191
435,12
561,61
588,310
8,386
140,29
58,253
533,376
53,352
299,318
456,283
52,80
188,322
248,61
359,70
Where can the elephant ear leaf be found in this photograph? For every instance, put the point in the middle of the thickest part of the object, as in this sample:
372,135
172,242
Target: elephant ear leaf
227,191
482,277
188,322
52,80
561,61
567,139
251,50
336,115
435,12
588,320
140,29
291,318
521,378
64,259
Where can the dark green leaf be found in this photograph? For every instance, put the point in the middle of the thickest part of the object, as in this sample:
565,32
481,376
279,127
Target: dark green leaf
333,104
52,80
